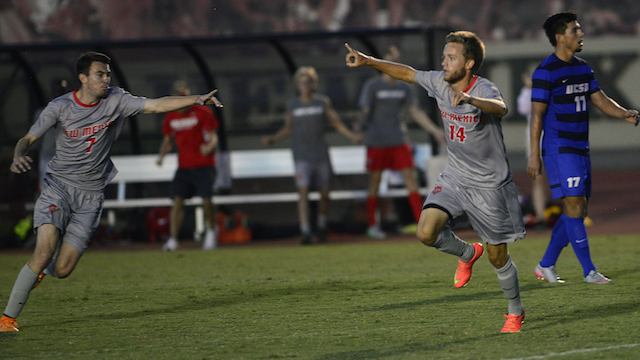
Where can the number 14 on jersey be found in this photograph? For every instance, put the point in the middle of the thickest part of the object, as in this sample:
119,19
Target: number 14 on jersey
456,133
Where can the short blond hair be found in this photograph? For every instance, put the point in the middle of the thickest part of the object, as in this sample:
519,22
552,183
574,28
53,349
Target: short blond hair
306,71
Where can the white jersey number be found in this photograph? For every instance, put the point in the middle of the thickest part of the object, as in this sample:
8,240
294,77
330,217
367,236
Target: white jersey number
573,182
581,103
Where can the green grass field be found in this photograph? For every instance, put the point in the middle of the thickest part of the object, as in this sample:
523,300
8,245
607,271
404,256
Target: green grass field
385,300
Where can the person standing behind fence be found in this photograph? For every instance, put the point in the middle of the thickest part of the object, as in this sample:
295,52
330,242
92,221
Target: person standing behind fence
194,131
69,208
563,87
305,121
382,101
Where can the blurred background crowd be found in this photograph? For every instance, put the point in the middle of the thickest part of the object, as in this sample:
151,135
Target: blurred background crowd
43,21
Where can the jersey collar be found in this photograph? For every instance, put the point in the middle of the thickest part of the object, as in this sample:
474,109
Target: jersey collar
75,96
473,81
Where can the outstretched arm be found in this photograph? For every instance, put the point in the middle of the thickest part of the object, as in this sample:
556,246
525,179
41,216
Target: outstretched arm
608,106
396,70
21,162
173,103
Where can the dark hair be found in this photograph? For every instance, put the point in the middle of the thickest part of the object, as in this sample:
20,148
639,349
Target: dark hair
472,47
557,24
85,60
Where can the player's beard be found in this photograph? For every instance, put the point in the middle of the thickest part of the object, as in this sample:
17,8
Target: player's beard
456,76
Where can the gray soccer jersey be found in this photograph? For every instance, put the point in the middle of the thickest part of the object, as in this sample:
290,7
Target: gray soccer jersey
385,102
308,125
85,136
477,155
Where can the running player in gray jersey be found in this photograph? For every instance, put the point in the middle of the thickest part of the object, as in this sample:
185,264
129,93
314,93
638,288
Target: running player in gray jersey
306,121
70,205
477,179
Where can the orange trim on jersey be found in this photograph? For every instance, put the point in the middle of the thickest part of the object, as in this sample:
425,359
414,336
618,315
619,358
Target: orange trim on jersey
473,81
80,102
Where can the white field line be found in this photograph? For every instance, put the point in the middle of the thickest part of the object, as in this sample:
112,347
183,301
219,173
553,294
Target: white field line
578,351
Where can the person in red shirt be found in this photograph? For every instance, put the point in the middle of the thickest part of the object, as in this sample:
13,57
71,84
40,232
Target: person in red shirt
194,131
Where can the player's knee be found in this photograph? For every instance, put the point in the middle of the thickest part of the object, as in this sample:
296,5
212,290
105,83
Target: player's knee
63,272
498,259
426,234
64,269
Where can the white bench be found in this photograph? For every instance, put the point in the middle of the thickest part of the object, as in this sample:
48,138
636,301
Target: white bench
245,164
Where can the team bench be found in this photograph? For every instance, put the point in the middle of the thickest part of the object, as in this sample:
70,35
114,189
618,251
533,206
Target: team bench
245,164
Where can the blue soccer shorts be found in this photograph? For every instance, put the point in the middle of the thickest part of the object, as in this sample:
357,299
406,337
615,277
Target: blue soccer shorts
568,174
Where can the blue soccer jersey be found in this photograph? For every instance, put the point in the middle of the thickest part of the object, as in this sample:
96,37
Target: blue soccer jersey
566,88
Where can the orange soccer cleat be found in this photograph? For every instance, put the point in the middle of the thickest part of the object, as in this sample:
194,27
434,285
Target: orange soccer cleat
513,323
463,274
8,324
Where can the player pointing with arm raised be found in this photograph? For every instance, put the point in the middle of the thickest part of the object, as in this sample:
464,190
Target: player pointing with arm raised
563,86
70,204
477,179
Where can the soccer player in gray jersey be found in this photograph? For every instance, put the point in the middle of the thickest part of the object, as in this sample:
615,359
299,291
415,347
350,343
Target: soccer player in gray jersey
68,210
305,121
476,179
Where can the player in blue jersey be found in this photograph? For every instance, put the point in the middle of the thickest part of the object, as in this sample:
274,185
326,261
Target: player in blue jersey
563,87
88,121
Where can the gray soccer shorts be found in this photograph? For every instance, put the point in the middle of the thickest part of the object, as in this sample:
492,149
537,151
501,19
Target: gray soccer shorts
308,174
494,214
75,212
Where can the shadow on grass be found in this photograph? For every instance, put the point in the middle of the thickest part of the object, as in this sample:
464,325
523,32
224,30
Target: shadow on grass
459,297
190,302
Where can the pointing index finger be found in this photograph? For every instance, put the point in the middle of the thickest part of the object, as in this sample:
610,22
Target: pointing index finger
348,47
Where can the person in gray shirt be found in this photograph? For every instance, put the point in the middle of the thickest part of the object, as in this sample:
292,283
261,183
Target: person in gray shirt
306,121
476,179
382,101
68,210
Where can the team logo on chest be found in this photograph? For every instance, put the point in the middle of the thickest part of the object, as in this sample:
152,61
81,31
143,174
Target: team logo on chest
577,88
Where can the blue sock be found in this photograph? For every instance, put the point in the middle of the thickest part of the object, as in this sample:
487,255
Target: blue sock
578,235
559,240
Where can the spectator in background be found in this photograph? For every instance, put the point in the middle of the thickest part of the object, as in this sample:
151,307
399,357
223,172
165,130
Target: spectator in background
194,131
539,186
305,121
382,100
13,27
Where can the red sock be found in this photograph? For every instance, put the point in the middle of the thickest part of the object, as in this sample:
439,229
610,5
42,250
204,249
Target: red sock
415,200
372,205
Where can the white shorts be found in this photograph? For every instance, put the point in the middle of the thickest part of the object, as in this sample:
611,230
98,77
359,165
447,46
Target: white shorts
494,214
